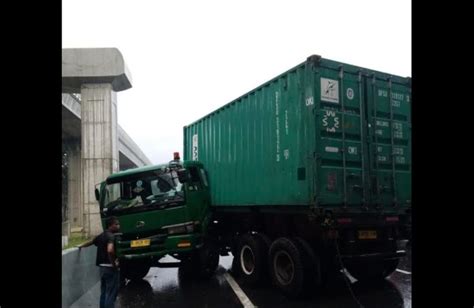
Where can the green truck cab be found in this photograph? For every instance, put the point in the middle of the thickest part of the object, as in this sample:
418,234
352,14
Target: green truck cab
163,210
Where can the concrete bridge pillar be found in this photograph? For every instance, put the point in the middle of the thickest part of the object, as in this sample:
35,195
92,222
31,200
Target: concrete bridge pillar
74,180
100,155
97,73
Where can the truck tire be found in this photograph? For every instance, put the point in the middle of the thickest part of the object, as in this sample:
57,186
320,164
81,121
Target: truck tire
207,258
252,255
287,267
134,270
235,269
202,263
267,242
312,265
372,271
186,269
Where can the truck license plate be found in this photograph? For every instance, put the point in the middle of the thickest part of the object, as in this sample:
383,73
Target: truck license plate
140,243
367,235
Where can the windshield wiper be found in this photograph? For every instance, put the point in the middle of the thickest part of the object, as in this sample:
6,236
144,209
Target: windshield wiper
169,195
167,204
156,197
113,204
120,204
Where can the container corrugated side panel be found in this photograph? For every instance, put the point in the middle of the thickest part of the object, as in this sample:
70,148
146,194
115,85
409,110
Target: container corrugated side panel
258,149
295,143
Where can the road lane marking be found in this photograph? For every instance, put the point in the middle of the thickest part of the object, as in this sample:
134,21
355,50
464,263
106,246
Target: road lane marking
238,291
402,271
348,275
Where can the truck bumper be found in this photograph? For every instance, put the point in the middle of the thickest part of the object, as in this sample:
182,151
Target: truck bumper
170,245
375,256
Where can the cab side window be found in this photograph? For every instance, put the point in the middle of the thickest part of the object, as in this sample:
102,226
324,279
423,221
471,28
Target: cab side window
195,182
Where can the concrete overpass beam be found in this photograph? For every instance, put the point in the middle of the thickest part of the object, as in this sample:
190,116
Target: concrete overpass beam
93,66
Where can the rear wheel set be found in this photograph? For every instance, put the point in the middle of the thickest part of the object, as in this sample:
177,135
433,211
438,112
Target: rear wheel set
250,259
290,263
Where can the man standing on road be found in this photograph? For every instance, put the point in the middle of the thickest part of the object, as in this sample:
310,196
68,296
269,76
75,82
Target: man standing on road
107,262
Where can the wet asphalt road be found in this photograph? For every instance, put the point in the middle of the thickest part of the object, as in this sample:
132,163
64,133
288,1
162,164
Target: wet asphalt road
166,287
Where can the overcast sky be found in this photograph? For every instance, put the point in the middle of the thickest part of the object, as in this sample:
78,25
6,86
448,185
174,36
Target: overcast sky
188,58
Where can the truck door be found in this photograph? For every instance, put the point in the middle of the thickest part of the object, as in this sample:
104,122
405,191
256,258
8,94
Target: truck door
340,137
389,135
197,196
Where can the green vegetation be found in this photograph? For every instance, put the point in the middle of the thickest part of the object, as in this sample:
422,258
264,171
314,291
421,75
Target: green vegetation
76,239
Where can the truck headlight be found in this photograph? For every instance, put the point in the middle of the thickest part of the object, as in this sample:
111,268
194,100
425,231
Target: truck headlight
190,228
176,230
184,228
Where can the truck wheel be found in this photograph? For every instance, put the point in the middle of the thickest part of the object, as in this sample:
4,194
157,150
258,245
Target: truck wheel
287,267
186,267
252,256
201,263
311,264
372,271
235,269
134,270
266,241
207,259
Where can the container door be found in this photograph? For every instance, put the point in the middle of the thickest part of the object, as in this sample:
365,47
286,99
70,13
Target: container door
340,146
389,128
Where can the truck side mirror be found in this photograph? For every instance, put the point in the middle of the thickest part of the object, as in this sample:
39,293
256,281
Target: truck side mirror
183,175
97,194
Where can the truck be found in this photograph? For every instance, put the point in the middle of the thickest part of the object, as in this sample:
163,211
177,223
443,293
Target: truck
306,175
162,211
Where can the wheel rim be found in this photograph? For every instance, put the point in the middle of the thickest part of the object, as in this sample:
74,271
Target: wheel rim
284,267
247,260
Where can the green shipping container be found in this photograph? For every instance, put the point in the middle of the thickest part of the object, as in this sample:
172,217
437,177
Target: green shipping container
323,134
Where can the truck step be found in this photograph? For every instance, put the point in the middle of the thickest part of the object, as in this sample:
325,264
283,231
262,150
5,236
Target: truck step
168,264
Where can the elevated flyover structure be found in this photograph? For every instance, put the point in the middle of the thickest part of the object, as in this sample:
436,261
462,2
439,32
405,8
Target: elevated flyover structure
94,145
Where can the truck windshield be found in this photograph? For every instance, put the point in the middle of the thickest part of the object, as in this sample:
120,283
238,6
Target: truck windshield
157,189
